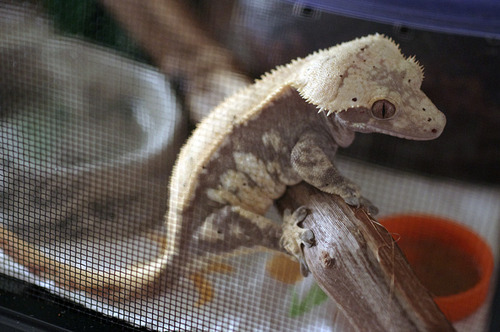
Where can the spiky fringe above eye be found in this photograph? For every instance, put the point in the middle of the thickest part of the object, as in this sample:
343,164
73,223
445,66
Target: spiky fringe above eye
415,62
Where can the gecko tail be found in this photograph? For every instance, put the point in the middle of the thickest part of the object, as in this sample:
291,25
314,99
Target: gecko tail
119,285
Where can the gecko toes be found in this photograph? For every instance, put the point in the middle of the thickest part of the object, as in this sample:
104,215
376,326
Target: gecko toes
300,214
352,200
307,238
370,208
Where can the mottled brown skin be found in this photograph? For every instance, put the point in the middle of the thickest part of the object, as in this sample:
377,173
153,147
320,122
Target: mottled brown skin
269,136
300,155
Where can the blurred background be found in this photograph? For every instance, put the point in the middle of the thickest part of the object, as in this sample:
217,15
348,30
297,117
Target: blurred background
97,96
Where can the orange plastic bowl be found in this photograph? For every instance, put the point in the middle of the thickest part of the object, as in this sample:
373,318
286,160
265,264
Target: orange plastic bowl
452,261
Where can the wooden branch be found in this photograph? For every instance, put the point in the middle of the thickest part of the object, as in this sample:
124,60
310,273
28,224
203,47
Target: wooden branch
357,263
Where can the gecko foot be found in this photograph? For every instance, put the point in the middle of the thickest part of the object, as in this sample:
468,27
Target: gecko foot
350,193
370,208
294,237
348,190
364,202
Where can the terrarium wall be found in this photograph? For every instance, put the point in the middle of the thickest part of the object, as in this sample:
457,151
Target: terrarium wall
115,105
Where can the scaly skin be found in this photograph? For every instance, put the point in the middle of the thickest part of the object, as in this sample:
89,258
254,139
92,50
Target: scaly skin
269,136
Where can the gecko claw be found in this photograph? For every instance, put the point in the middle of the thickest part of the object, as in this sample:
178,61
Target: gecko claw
304,269
370,208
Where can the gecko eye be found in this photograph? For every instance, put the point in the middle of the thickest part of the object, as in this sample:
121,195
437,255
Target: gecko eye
383,109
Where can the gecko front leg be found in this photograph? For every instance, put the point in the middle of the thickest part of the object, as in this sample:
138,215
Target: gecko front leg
312,158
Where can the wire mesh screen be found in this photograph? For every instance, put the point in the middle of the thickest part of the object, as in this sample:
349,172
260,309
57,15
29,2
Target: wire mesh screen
96,100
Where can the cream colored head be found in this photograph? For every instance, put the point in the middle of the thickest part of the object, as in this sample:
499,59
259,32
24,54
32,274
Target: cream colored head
370,87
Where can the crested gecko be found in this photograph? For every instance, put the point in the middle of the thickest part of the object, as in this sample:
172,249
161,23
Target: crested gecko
283,129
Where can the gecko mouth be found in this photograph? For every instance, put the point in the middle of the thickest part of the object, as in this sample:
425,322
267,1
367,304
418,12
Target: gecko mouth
424,135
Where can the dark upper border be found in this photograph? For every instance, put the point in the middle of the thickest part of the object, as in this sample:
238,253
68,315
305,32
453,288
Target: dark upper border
480,18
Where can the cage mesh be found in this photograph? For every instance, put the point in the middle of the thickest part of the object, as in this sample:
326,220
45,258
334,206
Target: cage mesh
96,99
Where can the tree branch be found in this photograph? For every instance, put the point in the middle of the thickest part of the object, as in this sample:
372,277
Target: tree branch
358,264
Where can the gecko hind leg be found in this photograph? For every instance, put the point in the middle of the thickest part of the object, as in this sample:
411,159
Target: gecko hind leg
232,227
294,237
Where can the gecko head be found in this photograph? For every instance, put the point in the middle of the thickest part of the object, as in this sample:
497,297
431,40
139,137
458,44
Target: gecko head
371,87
